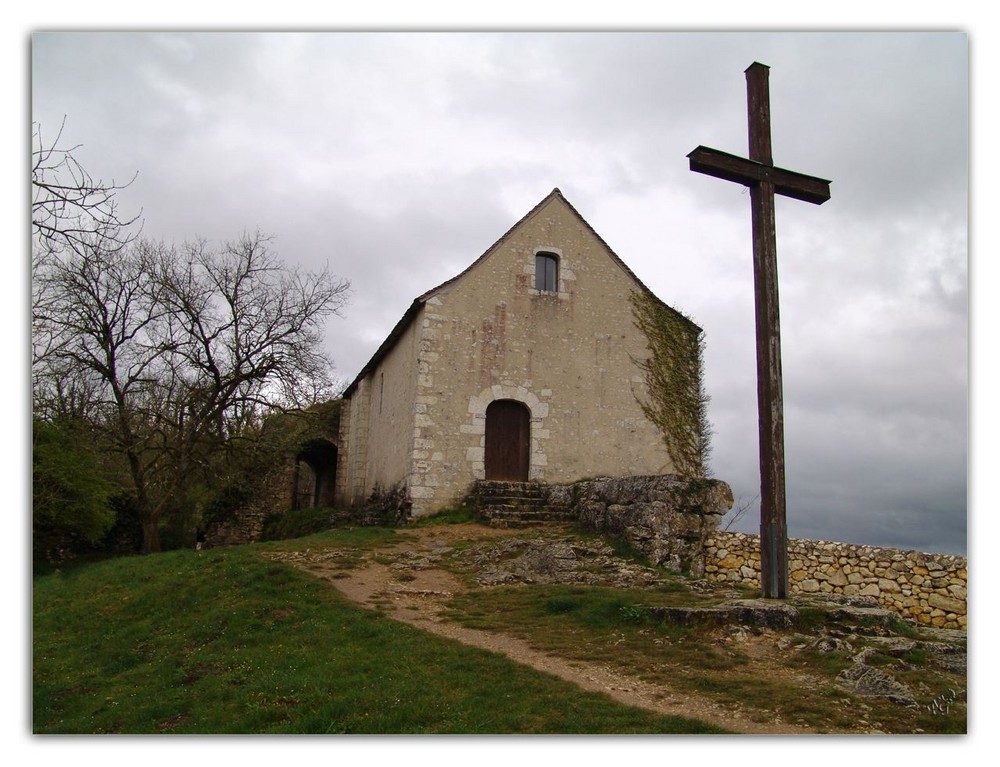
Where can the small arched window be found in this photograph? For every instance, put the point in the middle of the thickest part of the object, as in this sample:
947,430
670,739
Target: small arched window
547,272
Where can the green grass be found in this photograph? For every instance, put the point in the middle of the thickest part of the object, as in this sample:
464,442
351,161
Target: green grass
227,641
460,515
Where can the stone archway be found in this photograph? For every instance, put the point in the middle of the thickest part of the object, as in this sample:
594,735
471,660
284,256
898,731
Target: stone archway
537,431
315,475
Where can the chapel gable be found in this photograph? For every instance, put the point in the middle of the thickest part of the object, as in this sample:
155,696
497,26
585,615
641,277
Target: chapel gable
529,365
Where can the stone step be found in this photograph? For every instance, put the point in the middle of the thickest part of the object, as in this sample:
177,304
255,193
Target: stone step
524,511
510,522
510,500
485,488
507,515
515,504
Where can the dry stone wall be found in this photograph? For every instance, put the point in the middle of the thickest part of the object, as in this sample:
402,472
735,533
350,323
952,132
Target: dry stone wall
930,589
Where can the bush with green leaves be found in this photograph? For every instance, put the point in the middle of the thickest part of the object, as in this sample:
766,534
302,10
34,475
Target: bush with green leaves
296,523
71,497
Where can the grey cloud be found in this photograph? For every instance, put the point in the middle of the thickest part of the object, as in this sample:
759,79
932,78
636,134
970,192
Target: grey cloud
397,159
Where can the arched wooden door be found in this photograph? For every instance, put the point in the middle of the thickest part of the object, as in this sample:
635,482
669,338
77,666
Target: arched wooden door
508,440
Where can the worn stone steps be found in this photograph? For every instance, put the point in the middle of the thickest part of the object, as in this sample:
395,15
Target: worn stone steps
511,500
515,504
491,488
513,515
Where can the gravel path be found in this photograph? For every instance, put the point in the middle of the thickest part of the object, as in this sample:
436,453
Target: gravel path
417,598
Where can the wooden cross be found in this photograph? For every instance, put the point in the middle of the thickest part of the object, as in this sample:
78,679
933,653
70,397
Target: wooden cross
764,180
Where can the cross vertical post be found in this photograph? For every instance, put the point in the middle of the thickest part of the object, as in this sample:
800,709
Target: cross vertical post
770,401
764,180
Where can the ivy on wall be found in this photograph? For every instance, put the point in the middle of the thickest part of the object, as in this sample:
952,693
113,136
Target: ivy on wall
675,398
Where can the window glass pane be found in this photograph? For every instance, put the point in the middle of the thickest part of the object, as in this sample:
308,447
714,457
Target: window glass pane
545,272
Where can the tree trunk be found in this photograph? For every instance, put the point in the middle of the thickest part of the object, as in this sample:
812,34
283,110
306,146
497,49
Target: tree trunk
150,537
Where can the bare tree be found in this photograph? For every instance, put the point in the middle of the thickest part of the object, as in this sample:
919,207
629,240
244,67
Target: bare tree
70,208
167,354
177,351
738,512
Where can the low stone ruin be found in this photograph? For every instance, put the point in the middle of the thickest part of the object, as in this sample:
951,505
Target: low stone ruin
664,517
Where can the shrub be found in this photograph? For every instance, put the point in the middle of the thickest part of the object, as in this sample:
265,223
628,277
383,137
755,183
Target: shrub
71,507
225,503
296,523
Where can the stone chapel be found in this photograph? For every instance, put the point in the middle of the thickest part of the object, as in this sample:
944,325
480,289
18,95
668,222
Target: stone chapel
530,365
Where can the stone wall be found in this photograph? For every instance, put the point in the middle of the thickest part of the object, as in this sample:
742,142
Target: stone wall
667,518
924,588
273,493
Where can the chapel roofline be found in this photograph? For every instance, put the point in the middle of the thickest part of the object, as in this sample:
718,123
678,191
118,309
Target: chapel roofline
400,327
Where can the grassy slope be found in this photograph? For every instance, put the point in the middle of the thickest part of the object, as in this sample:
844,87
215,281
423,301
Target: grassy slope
226,641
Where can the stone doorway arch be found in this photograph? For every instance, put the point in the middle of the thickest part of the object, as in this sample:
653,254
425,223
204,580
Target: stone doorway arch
315,475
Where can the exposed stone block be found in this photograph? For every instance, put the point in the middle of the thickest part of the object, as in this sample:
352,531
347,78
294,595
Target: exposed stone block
666,517
959,592
884,584
947,604
838,578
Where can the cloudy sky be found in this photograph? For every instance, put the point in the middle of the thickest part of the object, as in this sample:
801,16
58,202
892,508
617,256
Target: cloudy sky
398,158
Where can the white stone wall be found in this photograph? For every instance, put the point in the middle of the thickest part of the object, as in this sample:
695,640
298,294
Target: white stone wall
569,356
931,589
352,457
392,446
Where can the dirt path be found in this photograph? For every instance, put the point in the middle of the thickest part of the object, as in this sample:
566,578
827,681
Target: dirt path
418,597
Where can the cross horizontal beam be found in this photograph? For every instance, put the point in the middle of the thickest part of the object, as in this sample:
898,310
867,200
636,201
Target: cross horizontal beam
731,167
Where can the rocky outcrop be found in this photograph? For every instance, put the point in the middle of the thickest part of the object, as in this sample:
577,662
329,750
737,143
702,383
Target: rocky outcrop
667,518
565,560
